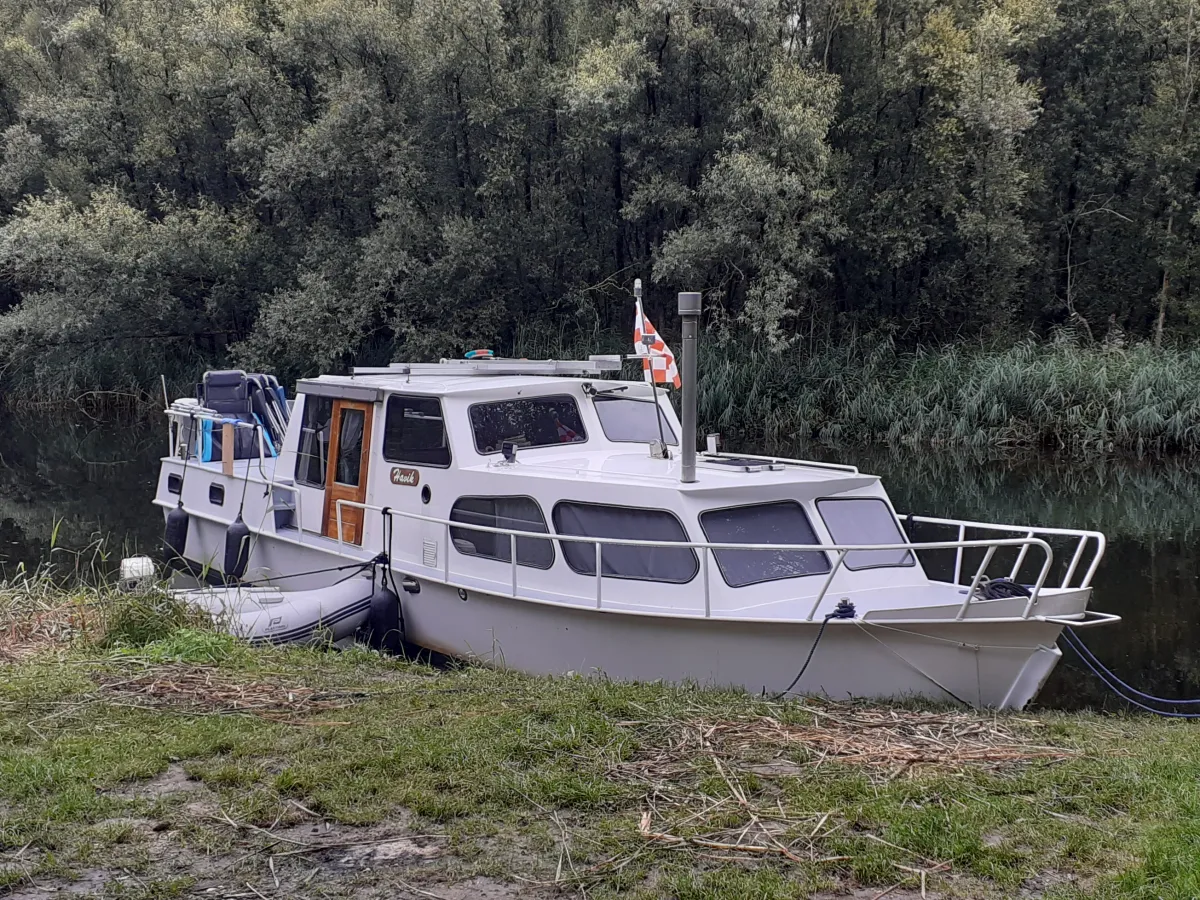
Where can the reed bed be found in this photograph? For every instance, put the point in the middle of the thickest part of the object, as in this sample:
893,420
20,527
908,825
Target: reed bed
1051,396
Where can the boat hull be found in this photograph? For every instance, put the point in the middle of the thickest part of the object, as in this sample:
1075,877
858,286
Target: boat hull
994,664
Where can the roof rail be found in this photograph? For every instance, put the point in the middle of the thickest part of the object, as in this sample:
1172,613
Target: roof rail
593,365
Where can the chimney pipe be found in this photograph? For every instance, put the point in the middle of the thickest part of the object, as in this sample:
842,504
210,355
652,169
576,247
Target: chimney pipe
689,309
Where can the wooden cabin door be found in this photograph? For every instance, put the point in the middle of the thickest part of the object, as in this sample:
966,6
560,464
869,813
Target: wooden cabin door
346,477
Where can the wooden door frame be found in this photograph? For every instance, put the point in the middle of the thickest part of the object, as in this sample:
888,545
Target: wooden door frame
329,510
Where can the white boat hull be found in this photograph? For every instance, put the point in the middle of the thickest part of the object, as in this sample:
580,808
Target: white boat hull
995,664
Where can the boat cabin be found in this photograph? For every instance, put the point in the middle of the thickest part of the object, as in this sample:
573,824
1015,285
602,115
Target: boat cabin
462,453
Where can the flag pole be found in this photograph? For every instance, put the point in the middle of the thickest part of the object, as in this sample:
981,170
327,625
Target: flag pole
658,413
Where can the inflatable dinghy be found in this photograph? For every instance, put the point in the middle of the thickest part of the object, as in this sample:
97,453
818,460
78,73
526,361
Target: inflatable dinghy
274,615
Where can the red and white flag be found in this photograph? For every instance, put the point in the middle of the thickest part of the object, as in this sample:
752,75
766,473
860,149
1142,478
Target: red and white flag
658,362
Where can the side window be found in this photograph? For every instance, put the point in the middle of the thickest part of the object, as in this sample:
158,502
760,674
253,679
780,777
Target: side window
865,520
530,422
629,523
312,454
767,523
514,513
626,419
414,432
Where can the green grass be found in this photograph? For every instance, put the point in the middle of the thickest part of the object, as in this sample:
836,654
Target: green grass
542,778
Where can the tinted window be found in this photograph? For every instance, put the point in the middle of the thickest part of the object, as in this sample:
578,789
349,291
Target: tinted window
350,441
532,422
627,419
313,451
865,520
516,513
767,523
628,523
415,432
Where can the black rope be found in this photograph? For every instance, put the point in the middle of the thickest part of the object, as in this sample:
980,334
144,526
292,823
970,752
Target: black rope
246,477
844,610
358,567
1119,687
1001,589
389,529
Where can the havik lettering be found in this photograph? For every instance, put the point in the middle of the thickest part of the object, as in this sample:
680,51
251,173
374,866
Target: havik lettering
406,477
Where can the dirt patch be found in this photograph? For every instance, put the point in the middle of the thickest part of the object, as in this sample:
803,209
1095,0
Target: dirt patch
89,882
872,893
175,780
482,889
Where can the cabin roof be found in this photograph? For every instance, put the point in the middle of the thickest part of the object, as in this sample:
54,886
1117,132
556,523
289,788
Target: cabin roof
449,384
641,469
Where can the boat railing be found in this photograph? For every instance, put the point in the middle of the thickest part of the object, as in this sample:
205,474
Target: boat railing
784,461
707,549
1083,542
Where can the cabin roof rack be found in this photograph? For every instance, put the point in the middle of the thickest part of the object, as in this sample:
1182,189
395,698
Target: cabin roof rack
593,365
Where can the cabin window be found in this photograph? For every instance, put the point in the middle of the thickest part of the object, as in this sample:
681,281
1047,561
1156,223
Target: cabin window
527,422
627,523
313,451
350,447
515,513
783,522
865,520
415,432
625,419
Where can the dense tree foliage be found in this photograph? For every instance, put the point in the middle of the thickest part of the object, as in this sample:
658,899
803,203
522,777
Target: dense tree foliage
295,184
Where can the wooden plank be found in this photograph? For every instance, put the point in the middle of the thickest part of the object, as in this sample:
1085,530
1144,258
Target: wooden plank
227,449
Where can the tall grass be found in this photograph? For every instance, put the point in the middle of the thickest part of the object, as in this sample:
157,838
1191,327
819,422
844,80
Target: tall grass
1055,396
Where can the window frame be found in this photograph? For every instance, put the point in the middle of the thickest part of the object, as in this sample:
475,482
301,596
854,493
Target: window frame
400,395
912,557
475,438
612,398
584,538
303,458
549,534
799,505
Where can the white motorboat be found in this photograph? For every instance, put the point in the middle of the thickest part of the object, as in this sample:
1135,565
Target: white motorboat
550,517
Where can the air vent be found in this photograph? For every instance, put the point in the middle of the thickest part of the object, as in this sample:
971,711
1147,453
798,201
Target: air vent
429,554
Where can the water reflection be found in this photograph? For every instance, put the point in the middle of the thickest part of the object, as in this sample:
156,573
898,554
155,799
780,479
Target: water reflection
73,481
95,478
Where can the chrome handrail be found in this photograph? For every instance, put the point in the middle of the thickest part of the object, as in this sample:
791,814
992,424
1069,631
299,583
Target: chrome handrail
708,546
1083,536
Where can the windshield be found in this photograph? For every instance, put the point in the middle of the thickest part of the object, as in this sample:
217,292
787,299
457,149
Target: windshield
627,419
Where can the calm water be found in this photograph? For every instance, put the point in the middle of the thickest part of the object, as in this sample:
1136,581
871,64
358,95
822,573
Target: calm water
94,478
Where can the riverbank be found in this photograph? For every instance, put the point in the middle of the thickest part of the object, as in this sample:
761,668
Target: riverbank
141,756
